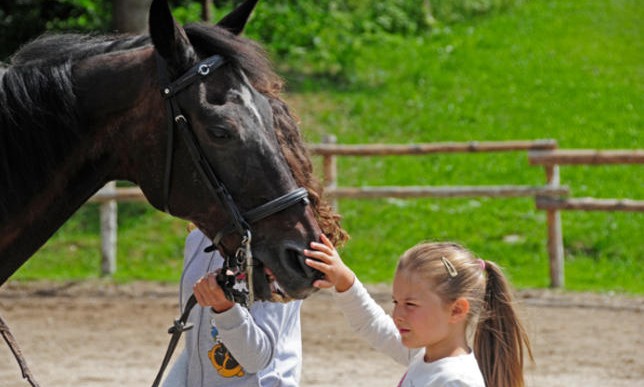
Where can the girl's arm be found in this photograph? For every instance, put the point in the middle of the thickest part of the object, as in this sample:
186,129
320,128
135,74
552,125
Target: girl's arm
363,314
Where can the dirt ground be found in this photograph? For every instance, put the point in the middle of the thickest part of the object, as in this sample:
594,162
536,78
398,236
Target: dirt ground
95,334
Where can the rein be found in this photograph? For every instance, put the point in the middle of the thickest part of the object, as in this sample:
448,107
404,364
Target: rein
237,269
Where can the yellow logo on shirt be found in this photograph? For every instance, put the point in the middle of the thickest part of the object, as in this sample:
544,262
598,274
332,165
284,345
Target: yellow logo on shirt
224,362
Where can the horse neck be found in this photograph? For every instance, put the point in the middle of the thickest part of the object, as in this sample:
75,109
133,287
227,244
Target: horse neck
31,225
107,104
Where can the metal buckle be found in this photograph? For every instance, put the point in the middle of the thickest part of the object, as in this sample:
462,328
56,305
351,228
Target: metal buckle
204,69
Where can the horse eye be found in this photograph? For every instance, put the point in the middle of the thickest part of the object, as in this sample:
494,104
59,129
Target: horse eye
220,133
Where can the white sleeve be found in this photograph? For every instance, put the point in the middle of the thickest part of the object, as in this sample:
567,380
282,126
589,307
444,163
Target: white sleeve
252,336
372,323
178,374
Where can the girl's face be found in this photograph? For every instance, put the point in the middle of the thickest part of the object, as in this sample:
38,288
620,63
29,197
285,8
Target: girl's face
419,314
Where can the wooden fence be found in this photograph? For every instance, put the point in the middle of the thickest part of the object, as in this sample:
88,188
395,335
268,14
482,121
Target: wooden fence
329,151
551,160
551,197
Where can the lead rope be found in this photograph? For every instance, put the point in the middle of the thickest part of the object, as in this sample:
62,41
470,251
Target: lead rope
13,345
176,331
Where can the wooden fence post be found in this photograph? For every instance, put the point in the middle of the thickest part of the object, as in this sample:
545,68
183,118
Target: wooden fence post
330,168
108,232
555,238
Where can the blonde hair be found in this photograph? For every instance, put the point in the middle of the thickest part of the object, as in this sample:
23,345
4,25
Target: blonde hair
500,339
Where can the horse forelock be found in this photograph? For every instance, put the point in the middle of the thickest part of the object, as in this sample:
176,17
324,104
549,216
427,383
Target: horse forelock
243,53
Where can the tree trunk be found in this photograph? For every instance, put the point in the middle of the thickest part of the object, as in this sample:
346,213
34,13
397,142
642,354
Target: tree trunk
206,11
131,15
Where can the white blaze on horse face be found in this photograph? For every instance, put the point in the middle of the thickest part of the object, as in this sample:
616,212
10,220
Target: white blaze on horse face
246,96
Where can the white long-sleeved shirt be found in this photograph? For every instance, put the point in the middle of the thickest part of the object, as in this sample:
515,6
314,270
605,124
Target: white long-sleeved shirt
264,342
375,326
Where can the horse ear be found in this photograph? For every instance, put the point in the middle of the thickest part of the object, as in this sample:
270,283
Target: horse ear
168,37
236,20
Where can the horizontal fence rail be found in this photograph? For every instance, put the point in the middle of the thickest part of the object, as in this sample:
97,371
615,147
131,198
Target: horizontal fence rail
590,204
585,157
330,148
550,197
552,158
501,191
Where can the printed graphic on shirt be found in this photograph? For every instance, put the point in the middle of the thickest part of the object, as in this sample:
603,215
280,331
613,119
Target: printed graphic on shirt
224,362
221,359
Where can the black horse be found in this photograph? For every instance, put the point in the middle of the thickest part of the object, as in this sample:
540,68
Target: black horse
213,148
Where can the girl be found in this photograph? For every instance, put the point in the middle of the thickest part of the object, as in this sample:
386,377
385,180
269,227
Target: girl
442,293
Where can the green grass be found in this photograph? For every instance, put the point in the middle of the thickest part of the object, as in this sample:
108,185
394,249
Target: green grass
570,71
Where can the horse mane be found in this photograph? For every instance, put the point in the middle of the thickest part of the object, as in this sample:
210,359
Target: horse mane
298,159
38,114
253,60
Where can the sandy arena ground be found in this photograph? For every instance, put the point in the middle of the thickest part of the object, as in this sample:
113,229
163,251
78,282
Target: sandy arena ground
93,334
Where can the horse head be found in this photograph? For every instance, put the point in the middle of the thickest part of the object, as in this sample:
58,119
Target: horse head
225,96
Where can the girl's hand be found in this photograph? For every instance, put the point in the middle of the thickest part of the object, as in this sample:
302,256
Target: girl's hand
327,260
208,293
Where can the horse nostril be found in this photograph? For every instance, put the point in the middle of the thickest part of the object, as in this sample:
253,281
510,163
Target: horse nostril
299,263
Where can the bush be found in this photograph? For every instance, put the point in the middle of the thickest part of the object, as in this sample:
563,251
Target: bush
22,21
323,37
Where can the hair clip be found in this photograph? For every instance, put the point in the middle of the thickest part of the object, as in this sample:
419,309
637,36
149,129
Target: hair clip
449,267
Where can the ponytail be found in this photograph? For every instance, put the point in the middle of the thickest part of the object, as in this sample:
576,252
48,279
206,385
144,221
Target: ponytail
500,339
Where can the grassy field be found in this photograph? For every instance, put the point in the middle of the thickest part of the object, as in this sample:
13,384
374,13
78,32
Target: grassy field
570,71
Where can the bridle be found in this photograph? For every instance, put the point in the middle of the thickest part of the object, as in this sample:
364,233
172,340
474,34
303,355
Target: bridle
178,122
237,268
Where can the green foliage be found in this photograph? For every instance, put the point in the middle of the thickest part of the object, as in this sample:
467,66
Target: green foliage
187,11
22,21
331,32
82,16
450,11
